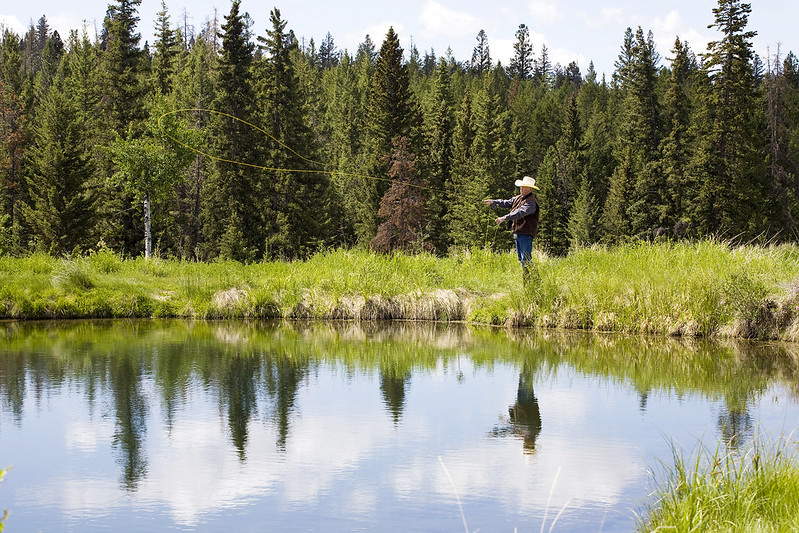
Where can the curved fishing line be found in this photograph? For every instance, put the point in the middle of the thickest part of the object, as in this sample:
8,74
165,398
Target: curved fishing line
262,167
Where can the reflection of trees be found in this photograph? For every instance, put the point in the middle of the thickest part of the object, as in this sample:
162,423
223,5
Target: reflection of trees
288,374
524,416
13,372
130,407
257,369
392,386
238,392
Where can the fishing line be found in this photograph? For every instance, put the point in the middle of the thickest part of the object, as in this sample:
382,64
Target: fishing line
273,169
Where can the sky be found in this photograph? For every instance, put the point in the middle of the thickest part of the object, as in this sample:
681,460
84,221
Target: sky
572,30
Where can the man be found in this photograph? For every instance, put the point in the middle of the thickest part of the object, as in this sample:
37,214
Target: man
523,218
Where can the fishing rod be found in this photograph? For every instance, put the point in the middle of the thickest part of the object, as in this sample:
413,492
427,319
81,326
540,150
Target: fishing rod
285,146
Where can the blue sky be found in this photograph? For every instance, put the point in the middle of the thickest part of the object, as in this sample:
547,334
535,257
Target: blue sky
572,30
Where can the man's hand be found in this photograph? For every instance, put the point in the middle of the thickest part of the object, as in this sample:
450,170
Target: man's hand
488,201
499,220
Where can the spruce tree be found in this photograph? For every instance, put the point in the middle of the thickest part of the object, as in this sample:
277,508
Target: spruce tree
481,56
440,155
521,65
402,208
193,89
677,143
391,114
468,222
232,222
61,210
166,51
729,164
122,109
296,202
13,139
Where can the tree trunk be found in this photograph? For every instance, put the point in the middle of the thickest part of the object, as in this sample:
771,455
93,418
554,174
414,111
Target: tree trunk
148,236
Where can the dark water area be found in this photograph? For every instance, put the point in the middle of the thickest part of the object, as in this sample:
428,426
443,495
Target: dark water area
257,426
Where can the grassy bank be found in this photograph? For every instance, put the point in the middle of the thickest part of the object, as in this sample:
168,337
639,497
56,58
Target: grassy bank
756,489
690,289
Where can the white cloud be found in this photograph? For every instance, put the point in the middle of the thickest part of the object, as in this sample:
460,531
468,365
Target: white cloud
438,20
544,12
608,16
12,23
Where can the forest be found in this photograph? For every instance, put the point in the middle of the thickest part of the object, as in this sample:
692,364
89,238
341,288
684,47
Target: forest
239,141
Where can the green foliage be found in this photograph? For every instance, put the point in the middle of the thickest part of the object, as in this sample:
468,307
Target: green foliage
754,489
681,289
668,149
72,276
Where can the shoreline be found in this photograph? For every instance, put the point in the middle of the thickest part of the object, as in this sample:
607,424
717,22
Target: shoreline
705,289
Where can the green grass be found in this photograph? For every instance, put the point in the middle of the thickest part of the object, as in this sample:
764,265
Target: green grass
754,490
685,289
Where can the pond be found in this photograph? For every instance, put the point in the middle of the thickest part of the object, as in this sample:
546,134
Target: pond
255,426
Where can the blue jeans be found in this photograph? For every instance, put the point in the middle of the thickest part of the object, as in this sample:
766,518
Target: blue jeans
524,248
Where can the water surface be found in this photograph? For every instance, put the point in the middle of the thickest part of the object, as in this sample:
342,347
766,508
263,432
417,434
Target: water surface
250,426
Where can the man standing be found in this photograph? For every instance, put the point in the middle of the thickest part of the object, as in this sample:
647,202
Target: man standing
523,218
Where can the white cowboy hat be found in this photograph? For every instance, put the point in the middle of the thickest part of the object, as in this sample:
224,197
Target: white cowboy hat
526,181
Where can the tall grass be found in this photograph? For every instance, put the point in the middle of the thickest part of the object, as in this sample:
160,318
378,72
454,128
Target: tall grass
754,490
686,289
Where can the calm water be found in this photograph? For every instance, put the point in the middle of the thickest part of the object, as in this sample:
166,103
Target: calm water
244,426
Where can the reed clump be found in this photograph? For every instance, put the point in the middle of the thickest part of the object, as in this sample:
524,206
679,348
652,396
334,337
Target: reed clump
754,489
686,289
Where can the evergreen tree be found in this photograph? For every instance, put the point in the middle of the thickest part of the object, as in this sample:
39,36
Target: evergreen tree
123,63
193,89
729,163
122,109
232,221
521,65
391,114
782,109
167,49
676,144
440,154
295,212
402,207
640,190
481,57
61,209
329,57
13,139
542,68
469,224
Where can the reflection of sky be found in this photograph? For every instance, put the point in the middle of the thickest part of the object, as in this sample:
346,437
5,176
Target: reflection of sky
347,465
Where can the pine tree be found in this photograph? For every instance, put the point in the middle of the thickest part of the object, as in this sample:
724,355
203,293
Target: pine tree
542,68
481,57
468,222
639,190
13,139
677,143
232,221
122,109
733,191
402,207
781,100
440,154
643,136
391,114
61,210
521,65
295,210
193,90
167,49
328,55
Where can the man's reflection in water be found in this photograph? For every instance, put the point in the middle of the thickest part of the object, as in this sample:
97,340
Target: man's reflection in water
524,416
